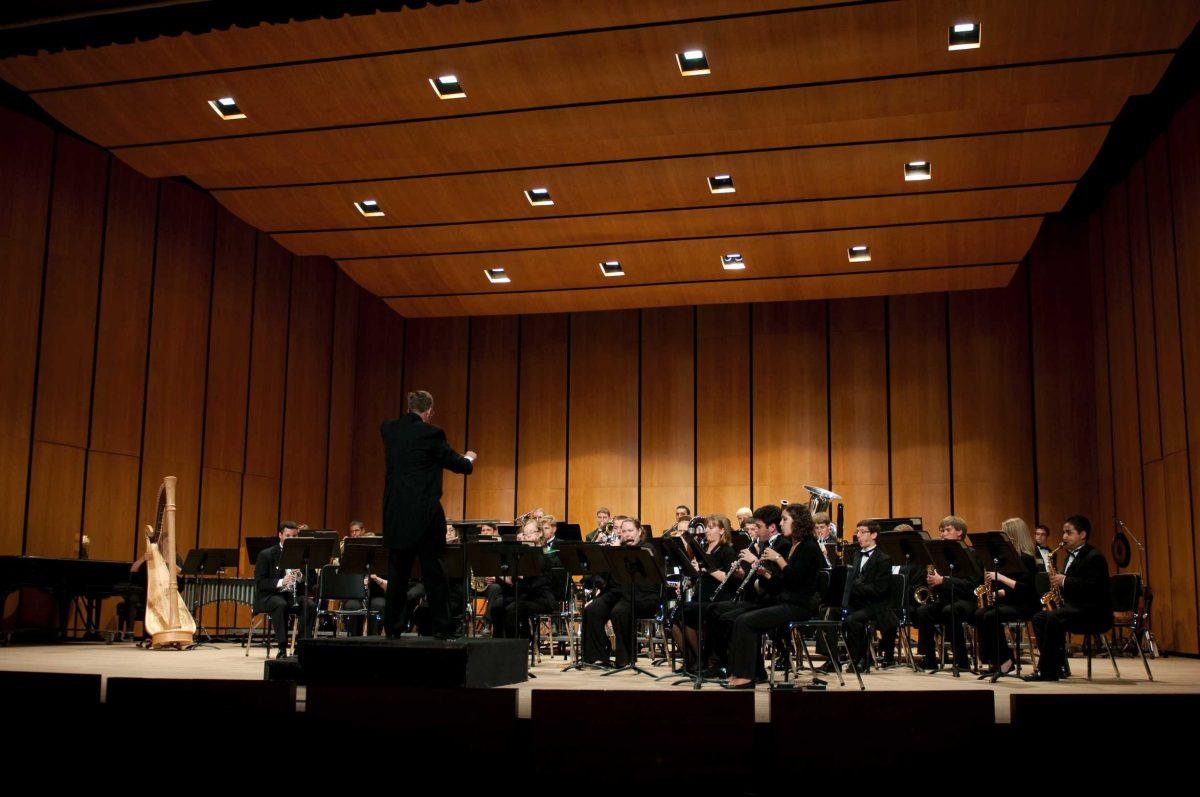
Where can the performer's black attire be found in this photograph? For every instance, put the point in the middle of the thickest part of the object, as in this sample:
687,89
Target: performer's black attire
414,524
275,601
616,603
1018,603
510,612
866,599
1088,608
720,616
378,603
688,612
938,612
789,595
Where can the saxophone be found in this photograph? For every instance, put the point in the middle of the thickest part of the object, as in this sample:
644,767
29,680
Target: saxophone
923,594
984,597
1052,599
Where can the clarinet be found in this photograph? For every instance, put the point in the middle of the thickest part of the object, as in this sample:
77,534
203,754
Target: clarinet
728,574
737,595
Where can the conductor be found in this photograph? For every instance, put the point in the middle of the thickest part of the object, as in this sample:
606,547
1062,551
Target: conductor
414,523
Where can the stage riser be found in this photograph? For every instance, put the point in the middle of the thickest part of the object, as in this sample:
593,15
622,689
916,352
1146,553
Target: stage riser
418,662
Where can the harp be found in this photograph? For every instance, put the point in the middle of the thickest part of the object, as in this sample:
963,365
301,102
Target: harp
168,622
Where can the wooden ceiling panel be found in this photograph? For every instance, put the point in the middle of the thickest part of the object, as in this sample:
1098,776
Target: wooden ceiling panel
820,173
427,28
892,248
839,43
937,105
721,292
677,224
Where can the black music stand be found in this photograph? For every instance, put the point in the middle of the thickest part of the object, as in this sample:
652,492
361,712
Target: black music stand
633,567
303,554
582,559
951,556
907,547
458,568
511,560
201,562
364,555
995,547
675,551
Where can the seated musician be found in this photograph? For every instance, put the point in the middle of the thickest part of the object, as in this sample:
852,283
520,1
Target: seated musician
616,603
1016,599
548,526
530,595
489,529
1087,604
718,543
939,610
866,598
789,593
376,591
824,537
721,615
913,574
274,588
744,516
600,533
1041,538
682,513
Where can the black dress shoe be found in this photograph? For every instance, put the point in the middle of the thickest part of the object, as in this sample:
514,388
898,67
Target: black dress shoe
829,668
1065,671
749,685
281,654
1039,677
715,672
928,664
863,665
782,665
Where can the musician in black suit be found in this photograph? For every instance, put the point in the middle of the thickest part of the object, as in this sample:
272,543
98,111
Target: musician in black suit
616,603
275,588
1087,606
941,610
414,523
1016,599
1041,539
789,594
866,596
530,595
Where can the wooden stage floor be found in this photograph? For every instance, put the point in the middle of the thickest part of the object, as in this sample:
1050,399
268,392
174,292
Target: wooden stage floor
1171,675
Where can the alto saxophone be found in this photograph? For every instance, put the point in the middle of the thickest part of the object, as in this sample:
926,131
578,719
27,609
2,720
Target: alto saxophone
1052,599
984,597
923,594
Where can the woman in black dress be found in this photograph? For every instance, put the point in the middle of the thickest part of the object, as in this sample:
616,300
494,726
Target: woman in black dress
718,543
1017,599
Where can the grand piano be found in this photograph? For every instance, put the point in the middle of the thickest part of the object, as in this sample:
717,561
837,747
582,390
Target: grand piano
82,584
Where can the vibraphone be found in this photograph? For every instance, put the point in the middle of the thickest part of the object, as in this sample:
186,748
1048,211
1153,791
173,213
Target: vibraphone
199,592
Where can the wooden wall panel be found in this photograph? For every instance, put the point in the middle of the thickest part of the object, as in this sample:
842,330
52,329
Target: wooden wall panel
1064,396
790,437
110,507
26,172
858,407
920,412
220,525
260,511
603,428
268,358
377,372
1105,483
54,522
338,508
436,351
491,492
992,427
668,417
542,417
722,409
178,354
306,411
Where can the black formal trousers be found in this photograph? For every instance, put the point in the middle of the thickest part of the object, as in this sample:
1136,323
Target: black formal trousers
428,550
510,615
614,606
279,606
748,626
855,628
718,626
926,618
992,651
1052,628
354,625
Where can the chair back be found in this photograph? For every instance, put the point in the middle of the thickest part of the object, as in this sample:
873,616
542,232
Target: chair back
337,586
1125,589
896,592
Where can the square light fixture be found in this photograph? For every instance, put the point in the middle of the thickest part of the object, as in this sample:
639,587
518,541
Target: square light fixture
496,276
612,268
447,87
964,36
918,170
692,63
538,196
732,262
860,253
369,208
226,108
721,184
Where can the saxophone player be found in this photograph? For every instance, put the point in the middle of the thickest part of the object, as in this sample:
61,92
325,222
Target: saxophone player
940,610
1083,584
1016,599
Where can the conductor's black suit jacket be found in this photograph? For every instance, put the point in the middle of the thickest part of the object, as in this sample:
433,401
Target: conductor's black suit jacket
415,453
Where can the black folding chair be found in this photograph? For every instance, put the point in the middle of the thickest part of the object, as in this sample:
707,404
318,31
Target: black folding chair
831,606
1126,591
896,605
336,586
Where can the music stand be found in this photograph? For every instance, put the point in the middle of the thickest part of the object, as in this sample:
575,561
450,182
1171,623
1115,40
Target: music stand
303,554
907,547
568,532
951,556
582,559
674,550
364,555
995,547
634,567
511,560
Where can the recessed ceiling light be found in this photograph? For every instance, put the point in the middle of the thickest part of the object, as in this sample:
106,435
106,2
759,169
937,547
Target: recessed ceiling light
447,87
369,207
692,62
721,184
612,268
226,108
918,170
964,36
496,276
860,253
732,262
538,196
